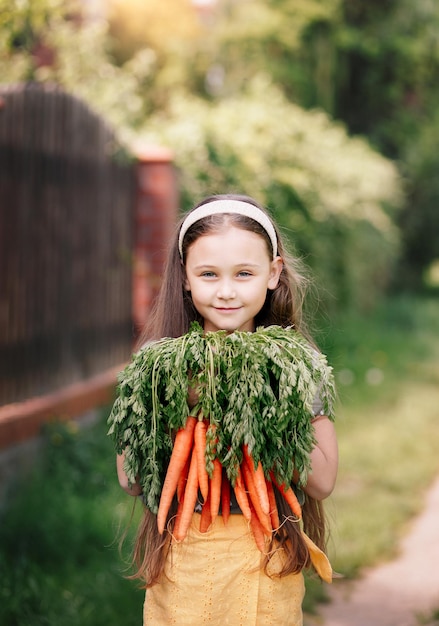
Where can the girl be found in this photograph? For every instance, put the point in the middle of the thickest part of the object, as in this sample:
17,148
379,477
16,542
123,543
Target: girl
228,270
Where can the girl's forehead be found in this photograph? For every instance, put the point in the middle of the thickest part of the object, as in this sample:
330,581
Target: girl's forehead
229,236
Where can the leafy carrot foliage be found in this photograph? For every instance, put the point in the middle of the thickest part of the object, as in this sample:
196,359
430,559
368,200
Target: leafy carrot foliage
254,388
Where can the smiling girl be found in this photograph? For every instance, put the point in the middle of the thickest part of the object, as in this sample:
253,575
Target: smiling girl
229,271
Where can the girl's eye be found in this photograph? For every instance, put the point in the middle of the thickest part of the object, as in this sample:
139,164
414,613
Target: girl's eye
244,273
208,274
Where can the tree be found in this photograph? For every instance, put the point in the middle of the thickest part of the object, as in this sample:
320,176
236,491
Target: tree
334,196
389,90
251,37
337,196
419,218
374,65
159,26
51,41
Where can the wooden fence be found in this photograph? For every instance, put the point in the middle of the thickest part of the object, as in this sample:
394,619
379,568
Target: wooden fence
67,196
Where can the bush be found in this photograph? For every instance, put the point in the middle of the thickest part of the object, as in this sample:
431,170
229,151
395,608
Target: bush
59,558
335,197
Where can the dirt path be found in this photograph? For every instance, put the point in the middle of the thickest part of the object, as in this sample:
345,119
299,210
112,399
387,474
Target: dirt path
403,592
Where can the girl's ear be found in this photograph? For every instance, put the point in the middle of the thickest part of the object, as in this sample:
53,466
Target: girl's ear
276,269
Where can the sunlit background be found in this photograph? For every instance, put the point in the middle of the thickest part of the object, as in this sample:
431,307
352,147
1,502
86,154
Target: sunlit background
327,112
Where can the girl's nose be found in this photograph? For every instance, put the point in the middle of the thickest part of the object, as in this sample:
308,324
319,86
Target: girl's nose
226,291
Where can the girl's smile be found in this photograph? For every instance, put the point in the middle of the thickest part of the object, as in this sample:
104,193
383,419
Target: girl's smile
228,274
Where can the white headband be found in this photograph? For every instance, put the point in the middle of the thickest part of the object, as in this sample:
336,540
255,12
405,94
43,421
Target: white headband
238,207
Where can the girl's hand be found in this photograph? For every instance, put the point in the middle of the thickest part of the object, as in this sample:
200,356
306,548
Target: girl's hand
133,490
192,397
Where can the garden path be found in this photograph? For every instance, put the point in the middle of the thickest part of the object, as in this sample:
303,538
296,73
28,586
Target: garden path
403,592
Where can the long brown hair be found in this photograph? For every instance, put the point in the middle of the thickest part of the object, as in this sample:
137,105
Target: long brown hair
171,316
174,311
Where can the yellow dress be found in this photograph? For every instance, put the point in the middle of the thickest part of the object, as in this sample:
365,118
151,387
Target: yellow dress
215,579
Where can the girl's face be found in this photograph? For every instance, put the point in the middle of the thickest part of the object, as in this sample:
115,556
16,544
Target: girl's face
228,274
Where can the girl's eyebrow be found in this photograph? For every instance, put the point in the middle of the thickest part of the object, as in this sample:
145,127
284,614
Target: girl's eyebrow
237,265
204,266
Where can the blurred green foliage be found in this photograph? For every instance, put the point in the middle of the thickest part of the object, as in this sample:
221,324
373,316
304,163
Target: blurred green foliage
48,41
59,556
373,66
387,372
334,196
419,219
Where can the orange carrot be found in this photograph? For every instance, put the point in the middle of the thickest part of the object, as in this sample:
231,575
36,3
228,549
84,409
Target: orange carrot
206,516
180,453
241,496
215,488
189,500
274,515
200,447
257,530
225,499
290,497
178,515
263,517
258,479
181,484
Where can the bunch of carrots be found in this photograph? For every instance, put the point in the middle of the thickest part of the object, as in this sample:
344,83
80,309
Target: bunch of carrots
187,476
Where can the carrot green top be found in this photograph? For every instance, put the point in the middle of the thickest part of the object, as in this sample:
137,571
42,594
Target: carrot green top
254,388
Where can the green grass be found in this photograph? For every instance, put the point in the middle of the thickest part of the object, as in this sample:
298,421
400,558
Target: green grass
387,428
59,559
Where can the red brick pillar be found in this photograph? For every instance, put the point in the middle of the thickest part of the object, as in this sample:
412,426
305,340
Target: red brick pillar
154,222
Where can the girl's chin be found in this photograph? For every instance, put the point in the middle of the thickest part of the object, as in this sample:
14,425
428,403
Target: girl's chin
228,328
